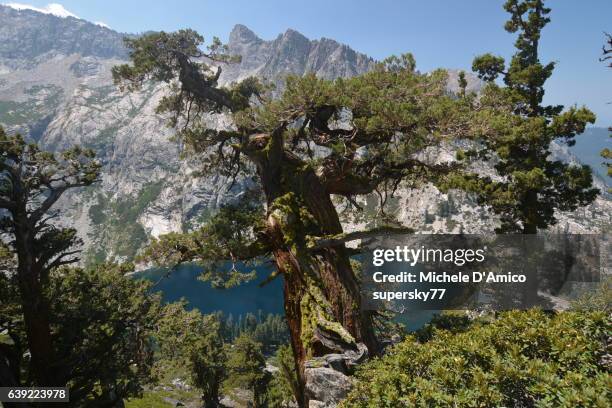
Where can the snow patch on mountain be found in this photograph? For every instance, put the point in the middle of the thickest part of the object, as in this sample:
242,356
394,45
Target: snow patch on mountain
55,9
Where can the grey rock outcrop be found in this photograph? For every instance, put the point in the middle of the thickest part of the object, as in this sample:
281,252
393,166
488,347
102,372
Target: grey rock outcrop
326,387
29,36
328,378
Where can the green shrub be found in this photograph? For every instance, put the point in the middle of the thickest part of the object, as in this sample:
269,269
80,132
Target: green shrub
452,321
598,299
522,359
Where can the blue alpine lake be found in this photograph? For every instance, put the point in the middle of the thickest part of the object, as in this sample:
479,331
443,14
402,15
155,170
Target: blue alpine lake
248,297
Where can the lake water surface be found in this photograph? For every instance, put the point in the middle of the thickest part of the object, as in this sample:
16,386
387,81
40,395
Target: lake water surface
248,297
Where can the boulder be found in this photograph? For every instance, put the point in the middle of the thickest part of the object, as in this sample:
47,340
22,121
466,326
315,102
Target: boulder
326,387
328,378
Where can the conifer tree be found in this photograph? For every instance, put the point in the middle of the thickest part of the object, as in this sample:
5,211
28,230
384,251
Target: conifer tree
192,340
103,322
94,313
321,138
521,130
31,182
246,369
283,389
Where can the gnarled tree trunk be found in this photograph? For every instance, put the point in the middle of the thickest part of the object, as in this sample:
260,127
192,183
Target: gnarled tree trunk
321,291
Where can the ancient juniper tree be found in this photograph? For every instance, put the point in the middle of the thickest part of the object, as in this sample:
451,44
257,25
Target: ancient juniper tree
321,138
521,131
31,182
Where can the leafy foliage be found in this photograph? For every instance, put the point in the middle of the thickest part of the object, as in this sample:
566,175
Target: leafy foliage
607,154
345,138
522,359
393,112
606,50
453,322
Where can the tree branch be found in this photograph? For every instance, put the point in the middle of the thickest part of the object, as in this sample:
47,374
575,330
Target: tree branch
334,240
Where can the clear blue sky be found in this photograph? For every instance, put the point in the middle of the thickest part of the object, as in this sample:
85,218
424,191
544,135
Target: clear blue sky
440,33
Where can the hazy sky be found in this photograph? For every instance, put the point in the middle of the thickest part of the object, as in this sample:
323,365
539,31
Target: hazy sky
440,33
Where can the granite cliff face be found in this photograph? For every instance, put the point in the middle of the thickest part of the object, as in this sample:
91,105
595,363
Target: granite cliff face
56,88
29,37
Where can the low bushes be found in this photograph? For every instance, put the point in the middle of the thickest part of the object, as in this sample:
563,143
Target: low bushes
521,359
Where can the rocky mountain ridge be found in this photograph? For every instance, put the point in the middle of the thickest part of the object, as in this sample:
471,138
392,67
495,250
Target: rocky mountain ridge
56,87
291,53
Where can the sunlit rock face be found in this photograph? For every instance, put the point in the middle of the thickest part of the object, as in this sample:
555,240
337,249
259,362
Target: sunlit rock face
56,88
291,53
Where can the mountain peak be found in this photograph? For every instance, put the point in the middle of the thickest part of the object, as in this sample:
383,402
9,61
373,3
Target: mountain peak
290,53
291,33
242,34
